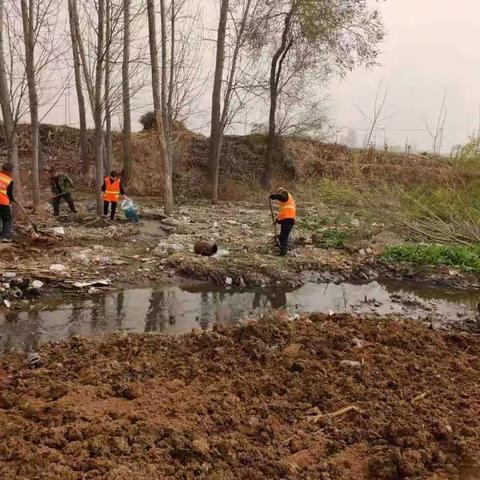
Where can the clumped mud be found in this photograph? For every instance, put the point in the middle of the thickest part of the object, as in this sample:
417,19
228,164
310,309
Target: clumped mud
329,398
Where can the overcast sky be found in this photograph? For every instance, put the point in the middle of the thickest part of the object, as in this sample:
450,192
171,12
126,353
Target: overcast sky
430,45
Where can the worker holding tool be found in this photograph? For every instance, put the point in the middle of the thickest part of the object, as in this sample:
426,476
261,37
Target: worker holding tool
112,188
6,198
62,187
287,214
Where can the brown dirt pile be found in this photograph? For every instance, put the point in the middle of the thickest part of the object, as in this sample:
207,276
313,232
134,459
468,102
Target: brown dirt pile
247,402
241,164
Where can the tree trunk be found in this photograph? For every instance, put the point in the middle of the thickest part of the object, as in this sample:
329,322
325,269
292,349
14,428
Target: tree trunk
171,82
28,13
7,114
78,86
275,74
168,163
271,141
216,136
98,106
107,160
127,121
157,103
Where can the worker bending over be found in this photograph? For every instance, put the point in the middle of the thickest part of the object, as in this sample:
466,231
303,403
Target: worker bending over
6,198
287,214
62,187
112,188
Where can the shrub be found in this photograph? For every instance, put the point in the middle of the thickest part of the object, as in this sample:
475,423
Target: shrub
148,121
466,257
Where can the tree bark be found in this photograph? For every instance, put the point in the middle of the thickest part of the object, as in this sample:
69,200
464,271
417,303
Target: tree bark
107,160
275,74
168,163
28,14
216,136
127,121
172,63
8,121
78,86
99,105
157,102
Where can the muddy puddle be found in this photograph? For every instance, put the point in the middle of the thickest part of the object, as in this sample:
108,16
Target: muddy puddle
176,310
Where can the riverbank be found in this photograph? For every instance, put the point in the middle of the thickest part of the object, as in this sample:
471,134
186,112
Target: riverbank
327,397
82,256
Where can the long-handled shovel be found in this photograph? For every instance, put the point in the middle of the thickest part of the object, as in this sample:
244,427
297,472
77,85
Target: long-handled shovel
28,217
274,223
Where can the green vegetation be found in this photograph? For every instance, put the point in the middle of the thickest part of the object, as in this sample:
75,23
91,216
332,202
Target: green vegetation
331,192
465,257
334,238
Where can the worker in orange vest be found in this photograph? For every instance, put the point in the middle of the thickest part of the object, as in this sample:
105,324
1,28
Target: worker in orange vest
287,215
6,198
112,188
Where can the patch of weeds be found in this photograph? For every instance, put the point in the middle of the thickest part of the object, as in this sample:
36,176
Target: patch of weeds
464,257
312,224
332,192
334,238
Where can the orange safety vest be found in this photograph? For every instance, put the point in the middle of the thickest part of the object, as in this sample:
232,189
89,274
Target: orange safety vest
112,190
288,209
5,181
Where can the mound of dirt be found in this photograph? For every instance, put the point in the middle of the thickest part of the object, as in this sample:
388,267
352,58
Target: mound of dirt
241,164
337,398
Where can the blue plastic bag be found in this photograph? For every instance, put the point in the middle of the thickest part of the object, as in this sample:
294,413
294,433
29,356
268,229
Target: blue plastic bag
130,210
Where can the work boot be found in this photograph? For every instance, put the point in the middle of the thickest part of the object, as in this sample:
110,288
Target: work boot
283,251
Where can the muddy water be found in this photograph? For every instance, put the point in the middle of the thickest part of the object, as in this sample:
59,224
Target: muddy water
176,310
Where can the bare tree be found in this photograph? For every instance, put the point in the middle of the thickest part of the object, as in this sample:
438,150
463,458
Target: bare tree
99,104
41,48
316,39
28,19
377,118
276,66
107,160
157,104
7,111
215,133
437,134
74,33
166,121
221,117
127,122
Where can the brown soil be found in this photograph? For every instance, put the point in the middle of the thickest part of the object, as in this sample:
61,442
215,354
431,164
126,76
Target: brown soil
249,402
298,159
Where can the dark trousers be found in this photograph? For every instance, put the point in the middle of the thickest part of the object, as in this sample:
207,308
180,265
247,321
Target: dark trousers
112,211
6,219
56,203
286,227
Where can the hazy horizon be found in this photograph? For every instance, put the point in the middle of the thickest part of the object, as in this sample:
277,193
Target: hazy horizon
429,46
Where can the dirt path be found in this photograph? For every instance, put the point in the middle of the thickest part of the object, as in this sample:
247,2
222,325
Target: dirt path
253,402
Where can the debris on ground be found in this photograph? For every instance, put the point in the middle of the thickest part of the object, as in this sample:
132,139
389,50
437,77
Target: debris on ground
163,246
264,400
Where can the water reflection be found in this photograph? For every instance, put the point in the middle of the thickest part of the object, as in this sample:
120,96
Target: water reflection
177,310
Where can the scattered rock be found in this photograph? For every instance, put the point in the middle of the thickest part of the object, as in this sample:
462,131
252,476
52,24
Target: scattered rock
358,342
350,364
57,267
37,284
201,446
293,349
34,360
